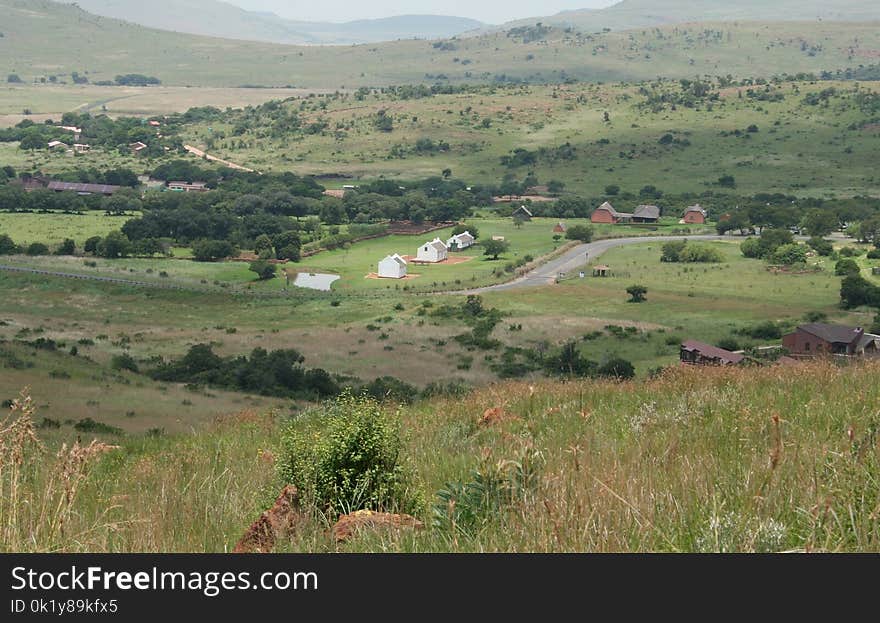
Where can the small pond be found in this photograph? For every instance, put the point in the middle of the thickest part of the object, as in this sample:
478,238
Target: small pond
315,281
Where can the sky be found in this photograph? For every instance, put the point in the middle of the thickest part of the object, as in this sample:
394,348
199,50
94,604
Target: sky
489,11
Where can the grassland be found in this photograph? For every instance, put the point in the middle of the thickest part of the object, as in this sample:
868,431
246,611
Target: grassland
50,101
747,460
25,228
794,148
370,333
43,39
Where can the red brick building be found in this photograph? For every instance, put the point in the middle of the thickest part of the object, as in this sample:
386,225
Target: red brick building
816,339
695,215
606,213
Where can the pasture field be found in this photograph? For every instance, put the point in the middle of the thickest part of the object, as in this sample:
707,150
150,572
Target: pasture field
70,388
54,228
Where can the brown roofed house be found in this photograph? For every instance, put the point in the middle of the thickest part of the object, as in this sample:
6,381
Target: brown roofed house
522,213
700,354
816,339
606,213
560,228
646,214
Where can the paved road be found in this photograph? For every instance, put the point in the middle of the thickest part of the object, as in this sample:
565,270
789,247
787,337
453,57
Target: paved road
579,256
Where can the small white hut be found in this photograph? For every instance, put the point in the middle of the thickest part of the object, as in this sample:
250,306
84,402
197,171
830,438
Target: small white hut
392,267
434,251
461,241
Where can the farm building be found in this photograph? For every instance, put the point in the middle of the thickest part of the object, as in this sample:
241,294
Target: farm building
138,148
697,353
392,267
818,338
695,215
460,241
434,251
77,132
189,187
606,213
83,189
560,228
81,148
646,214
522,213
58,145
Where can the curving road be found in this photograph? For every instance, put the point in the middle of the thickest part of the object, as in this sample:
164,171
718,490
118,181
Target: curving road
576,258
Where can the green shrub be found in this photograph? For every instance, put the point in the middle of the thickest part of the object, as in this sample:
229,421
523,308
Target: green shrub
124,362
845,267
346,457
873,254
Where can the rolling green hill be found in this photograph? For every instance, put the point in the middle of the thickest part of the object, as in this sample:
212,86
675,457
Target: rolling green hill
43,39
641,13
220,19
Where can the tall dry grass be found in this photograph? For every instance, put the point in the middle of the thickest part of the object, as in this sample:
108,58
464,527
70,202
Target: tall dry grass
751,460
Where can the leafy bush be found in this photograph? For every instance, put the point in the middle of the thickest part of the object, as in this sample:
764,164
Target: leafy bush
88,425
768,330
347,457
821,246
789,254
874,254
617,368
38,248
124,362
583,233
845,267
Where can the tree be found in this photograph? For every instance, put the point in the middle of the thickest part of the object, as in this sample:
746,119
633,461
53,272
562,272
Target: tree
637,294
114,245
91,244
68,247
212,250
383,122
7,246
820,246
494,248
554,187
789,254
37,248
819,223
263,243
727,181
264,269
617,368
855,291
14,79
846,266
671,251
447,173
460,229
612,190
584,233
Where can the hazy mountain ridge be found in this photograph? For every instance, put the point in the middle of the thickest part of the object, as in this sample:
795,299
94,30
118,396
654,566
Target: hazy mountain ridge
215,18
642,13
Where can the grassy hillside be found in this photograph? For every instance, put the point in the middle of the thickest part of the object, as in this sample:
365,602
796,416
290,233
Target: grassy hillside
43,39
656,135
640,13
748,460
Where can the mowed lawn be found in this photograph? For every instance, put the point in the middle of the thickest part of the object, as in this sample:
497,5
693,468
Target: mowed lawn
54,228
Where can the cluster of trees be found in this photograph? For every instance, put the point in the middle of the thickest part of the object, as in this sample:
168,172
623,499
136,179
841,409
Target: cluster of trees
777,246
275,373
682,251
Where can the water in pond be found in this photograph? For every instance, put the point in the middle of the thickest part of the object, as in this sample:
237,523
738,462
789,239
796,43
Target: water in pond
315,281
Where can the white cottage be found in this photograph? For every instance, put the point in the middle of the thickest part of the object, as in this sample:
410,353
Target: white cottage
461,241
434,251
392,267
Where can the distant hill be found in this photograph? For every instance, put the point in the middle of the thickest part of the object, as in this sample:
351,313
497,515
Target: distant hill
640,13
42,40
220,19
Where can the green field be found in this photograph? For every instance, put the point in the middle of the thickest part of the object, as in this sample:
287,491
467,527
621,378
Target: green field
50,229
44,39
